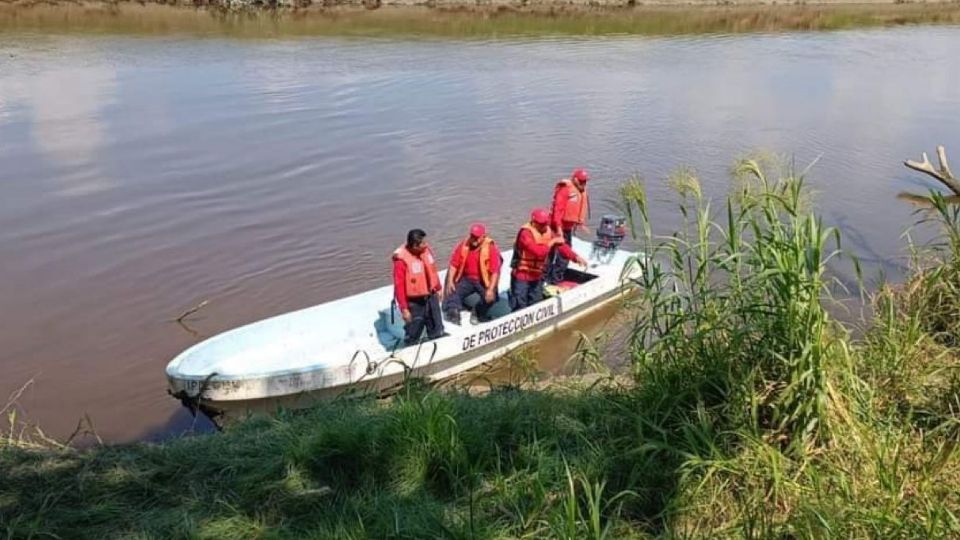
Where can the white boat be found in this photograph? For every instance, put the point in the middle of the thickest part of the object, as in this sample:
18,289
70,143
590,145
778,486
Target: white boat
357,342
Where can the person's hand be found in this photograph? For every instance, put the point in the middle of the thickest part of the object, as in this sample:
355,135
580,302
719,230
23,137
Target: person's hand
581,261
490,296
407,317
585,230
557,240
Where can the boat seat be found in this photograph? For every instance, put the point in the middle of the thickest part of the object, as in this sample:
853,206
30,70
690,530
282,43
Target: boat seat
390,331
550,291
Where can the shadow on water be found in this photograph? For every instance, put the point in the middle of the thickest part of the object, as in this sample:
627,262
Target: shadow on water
597,344
180,424
922,202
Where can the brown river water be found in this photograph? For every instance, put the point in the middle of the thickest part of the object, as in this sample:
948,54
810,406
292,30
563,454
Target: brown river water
140,176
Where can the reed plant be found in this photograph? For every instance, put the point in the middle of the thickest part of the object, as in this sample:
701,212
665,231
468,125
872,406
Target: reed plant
740,296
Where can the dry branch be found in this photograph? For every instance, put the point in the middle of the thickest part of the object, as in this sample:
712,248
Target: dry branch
84,427
191,311
942,175
15,396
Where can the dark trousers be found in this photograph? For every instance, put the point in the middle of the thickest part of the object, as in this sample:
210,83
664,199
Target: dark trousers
464,288
524,293
424,312
557,265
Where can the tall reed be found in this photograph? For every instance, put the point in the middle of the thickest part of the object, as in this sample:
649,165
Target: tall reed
740,294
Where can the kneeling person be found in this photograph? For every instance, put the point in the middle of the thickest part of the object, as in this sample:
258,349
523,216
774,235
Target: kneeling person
530,252
474,268
416,285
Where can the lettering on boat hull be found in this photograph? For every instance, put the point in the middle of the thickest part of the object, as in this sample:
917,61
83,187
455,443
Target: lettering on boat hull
194,386
510,326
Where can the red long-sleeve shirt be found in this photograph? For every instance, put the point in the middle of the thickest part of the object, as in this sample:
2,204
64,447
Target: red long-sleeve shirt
400,284
526,241
560,199
471,270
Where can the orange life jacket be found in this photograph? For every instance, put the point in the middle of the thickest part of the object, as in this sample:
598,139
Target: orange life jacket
577,209
464,249
422,277
524,260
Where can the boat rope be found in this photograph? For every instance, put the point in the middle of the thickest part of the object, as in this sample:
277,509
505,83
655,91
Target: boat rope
371,364
194,403
408,368
416,357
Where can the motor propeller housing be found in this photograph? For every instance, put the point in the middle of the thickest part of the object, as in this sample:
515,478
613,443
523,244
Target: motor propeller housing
610,233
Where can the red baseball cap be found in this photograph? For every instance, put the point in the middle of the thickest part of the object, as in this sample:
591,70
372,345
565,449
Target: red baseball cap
580,175
478,230
540,216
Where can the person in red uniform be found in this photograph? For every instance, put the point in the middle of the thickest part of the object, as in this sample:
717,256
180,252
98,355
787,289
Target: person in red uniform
569,213
416,288
534,244
474,268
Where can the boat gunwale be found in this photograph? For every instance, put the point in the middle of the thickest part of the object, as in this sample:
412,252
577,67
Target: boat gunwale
174,375
392,354
564,318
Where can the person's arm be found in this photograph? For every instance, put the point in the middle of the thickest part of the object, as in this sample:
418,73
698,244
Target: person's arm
495,263
559,206
435,288
455,263
448,288
583,228
569,254
400,289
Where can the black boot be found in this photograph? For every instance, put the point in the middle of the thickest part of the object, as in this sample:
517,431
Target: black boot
453,317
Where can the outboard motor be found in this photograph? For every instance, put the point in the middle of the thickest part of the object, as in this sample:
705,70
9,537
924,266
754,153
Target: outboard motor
610,233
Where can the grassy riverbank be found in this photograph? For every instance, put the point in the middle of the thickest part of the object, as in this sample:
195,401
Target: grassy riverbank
752,413
463,20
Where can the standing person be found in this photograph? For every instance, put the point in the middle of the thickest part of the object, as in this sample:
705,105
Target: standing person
474,268
416,288
534,243
570,211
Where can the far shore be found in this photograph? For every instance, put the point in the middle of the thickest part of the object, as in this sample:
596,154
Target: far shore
462,18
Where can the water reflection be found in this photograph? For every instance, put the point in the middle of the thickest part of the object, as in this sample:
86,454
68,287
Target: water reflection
66,108
67,105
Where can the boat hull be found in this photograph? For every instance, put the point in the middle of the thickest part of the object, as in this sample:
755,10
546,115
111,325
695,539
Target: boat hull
285,357
362,377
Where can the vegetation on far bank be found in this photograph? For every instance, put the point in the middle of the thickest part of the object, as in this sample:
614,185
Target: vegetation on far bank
752,413
262,20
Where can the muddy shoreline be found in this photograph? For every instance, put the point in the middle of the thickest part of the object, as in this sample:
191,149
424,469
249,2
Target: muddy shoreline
461,18
531,6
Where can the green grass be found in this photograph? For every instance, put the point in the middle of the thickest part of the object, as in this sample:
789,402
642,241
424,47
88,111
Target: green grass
751,413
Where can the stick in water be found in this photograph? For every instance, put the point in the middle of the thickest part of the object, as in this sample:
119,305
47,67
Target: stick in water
191,311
